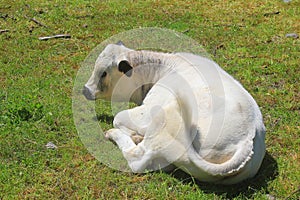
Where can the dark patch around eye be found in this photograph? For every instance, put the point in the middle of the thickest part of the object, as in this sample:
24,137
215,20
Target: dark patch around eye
103,74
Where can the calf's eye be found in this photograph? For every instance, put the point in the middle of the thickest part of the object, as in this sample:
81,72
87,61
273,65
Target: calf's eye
103,74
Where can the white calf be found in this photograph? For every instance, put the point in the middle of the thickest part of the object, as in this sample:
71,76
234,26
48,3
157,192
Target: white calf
191,114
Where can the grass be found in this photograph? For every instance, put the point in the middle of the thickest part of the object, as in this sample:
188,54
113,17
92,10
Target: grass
36,78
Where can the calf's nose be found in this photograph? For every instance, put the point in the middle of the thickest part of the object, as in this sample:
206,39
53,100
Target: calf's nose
87,93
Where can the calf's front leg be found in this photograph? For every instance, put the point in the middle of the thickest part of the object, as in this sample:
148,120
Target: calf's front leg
137,156
123,140
133,122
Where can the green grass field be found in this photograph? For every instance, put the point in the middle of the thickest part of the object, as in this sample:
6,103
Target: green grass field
246,38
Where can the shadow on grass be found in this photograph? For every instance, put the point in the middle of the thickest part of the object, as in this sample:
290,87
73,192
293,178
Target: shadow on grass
105,118
267,172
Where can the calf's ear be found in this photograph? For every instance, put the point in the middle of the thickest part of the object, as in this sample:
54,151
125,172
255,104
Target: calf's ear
125,67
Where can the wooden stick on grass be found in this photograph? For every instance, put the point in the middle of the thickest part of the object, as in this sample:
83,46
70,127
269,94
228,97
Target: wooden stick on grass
36,21
55,36
4,31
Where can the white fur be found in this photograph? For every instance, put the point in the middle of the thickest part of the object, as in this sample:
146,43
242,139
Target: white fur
195,116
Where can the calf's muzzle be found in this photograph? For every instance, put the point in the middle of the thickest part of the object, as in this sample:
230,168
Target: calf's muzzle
87,93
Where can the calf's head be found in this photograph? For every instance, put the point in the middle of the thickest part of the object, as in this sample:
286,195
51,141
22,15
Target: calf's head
110,67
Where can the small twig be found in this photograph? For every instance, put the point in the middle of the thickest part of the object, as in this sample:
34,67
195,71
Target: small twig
272,13
243,56
36,21
216,48
186,31
229,25
4,16
55,36
4,31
